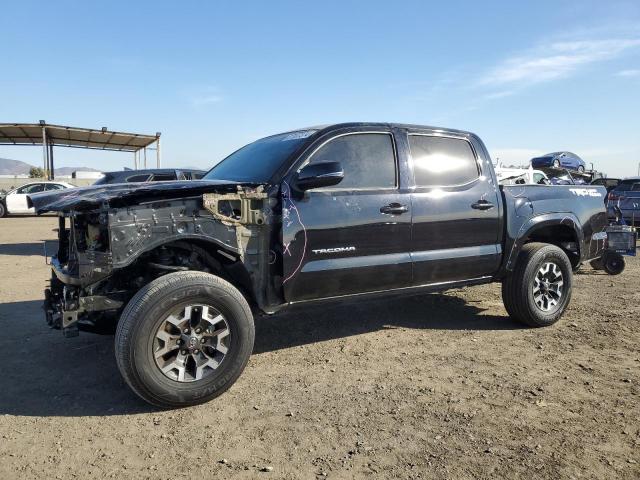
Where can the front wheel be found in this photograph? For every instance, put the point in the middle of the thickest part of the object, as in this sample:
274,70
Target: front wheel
556,163
581,168
3,210
184,339
538,291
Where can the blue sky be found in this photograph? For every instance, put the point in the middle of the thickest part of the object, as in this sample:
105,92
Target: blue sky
528,77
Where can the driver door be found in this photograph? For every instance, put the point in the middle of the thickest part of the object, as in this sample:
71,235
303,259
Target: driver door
353,237
17,201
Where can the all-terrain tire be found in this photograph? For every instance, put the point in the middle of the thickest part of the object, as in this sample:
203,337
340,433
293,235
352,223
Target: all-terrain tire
146,312
518,287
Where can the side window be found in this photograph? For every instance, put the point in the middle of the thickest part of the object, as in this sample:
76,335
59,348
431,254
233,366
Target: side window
442,161
138,178
163,177
367,159
35,188
54,186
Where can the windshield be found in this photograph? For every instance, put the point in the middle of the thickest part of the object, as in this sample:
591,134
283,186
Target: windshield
258,161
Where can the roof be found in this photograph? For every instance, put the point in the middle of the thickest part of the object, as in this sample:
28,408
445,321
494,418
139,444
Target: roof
59,135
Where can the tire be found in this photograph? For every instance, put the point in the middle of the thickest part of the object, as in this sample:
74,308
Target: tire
613,263
3,210
581,168
556,163
518,293
148,320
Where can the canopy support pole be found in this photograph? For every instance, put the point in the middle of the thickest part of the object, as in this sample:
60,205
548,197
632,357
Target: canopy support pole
45,153
158,151
52,171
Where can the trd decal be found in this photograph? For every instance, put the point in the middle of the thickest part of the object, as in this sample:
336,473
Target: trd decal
321,251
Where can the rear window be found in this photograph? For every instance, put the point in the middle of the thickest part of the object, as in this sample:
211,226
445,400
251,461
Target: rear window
628,186
162,177
138,178
442,161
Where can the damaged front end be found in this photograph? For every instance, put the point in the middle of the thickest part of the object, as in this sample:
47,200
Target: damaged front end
106,254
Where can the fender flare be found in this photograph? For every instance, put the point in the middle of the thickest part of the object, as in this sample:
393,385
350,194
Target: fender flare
536,223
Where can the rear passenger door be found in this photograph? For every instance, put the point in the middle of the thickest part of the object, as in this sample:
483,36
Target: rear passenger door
352,237
456,209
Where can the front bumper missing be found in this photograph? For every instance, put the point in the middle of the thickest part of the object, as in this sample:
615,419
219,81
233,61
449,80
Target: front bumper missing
84,314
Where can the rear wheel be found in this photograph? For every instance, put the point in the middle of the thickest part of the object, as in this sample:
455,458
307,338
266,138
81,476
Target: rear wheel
3,210
556,163
184,339
539,289
581,168
613,263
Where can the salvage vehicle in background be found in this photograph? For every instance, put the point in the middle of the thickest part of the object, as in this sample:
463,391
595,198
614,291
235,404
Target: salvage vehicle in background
626,196
608,183
150,175
15,201
559,160
179,269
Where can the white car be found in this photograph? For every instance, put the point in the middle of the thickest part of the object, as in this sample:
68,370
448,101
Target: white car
15,201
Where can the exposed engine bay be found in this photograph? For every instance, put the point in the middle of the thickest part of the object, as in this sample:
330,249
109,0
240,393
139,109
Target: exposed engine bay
106,255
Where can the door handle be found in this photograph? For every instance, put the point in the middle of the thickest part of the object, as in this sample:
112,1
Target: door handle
482,205
394,209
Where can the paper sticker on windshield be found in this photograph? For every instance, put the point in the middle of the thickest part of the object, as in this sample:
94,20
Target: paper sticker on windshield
298,135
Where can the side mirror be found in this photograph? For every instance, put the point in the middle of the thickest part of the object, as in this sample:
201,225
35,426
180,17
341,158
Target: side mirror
321,174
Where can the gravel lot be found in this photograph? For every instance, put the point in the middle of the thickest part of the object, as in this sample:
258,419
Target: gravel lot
433,386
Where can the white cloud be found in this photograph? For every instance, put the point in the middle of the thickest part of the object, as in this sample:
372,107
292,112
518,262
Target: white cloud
554,60
629,73
203,96
205,100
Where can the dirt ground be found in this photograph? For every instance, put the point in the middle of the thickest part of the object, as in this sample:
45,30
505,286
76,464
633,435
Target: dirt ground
431,386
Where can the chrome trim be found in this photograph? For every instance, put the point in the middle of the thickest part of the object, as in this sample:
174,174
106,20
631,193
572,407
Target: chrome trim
342,263
461,252
467,282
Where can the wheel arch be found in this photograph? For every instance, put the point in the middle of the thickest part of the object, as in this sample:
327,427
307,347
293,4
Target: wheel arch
220,261
560,229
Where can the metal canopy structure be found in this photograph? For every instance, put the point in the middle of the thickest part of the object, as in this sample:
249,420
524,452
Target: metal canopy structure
49,136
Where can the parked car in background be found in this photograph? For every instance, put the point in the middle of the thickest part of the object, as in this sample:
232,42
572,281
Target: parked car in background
559,160
15,201
521,176
150,175
608,183
626,196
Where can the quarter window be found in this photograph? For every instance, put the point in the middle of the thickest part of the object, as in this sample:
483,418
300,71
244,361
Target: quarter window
442,161
368,160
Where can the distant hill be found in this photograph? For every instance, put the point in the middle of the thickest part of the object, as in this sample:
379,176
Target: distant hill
16,167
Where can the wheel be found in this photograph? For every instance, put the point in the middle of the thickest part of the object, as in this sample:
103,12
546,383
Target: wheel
556,163
581,168
3,210
184,339
538,291
597,264
613,263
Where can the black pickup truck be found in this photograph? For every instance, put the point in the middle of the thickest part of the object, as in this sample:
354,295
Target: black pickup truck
180,269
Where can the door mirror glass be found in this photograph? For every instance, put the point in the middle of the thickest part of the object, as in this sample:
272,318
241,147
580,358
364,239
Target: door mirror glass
321,174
